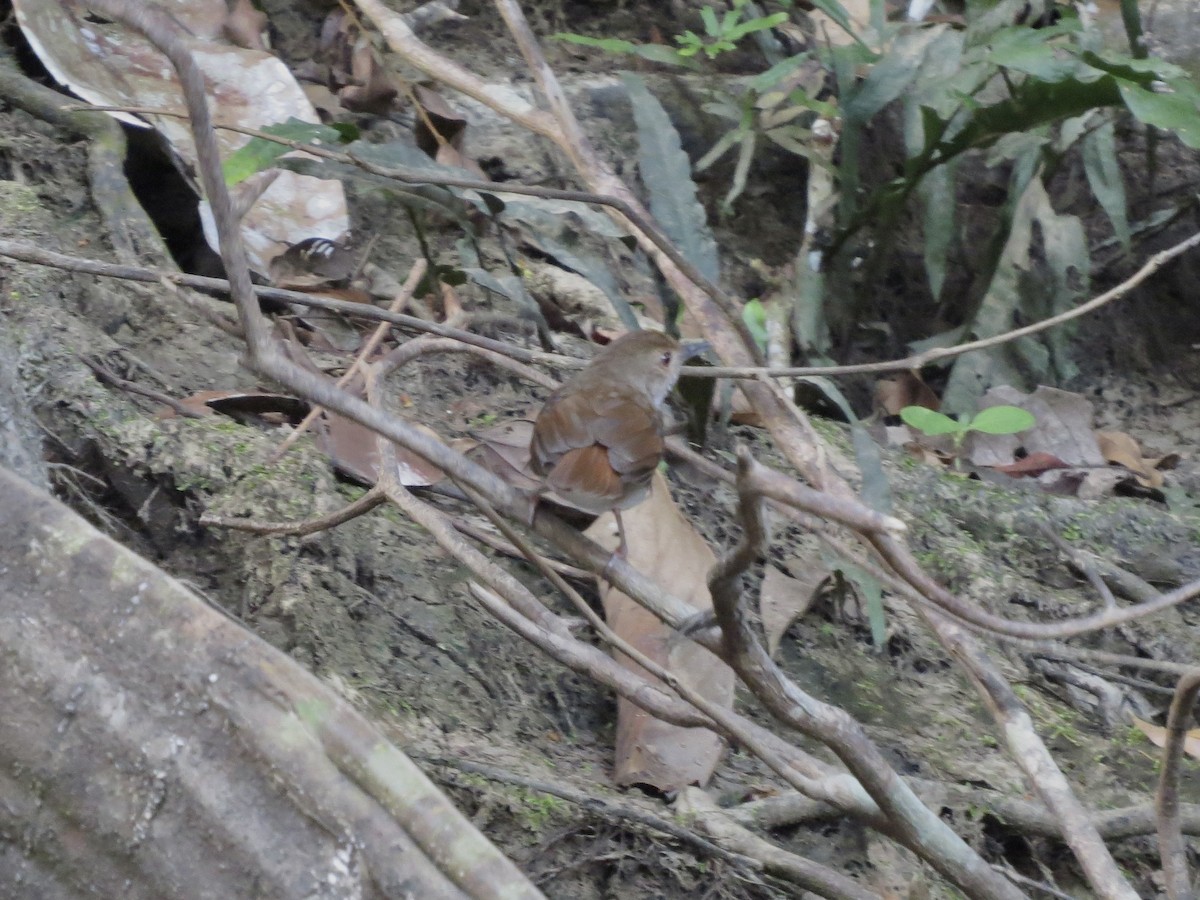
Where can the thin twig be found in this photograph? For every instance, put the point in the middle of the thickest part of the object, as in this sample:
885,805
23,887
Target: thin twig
359,507
109,377
503,546
621,813
398,303
1171,846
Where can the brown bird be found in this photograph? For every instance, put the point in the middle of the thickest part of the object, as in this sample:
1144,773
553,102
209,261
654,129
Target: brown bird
599,438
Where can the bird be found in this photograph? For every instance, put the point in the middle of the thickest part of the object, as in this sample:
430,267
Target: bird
599,438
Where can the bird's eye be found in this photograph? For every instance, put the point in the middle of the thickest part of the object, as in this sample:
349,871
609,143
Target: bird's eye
666,358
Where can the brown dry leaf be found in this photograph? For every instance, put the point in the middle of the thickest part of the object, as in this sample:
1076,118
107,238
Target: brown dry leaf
353,450
1033,465
503,450
894,392
927,455
107,64
663,545
1158,736
1063,429
245,26
231,403
741,412
1121,449
324,101
371,89
783,599
441,131
437,121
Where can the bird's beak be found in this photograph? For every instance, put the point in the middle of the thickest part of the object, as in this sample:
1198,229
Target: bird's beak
692,349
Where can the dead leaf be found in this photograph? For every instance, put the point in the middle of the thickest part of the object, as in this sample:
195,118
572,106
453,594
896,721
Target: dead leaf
503,449
741,412
928,455
231,403
783,599
371,88
1063,429
353,451
902,389
440,131
107,64
245,26
1032,465
1158,736
664,546
1122,450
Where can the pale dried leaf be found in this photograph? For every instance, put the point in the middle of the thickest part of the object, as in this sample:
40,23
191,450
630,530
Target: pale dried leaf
783,599
1158,736
108,65
354,452
245,26
896,391
1063,429
1121,449
664,546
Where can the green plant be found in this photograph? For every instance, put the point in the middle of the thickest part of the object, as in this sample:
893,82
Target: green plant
993,420
723,34
720,36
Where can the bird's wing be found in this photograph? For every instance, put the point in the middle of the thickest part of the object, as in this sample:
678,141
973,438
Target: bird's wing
584,478
626,426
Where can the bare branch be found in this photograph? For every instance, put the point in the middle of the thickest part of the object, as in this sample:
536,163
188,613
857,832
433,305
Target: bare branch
1170,835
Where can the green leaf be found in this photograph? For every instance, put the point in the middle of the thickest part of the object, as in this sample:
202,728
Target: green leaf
872,593
612,45
937,190
1041,270
1175,111
764,81
720,148
709,18
1030,50
260,154
875,488
737,184
890,77
661,53
837,12
754,314
1104,176
653,52
750,26
929,422
1002,420
666,173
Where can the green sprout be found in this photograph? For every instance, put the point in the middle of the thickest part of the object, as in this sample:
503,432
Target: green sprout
993,420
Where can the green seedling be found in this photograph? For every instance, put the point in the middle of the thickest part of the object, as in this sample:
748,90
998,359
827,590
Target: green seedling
993,420
754,314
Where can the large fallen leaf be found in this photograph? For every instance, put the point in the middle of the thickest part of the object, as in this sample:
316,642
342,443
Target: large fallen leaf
782,599
664,546
108,65
234,403
1158,736
354,452
503,449
1122,450
898,390
1063,428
